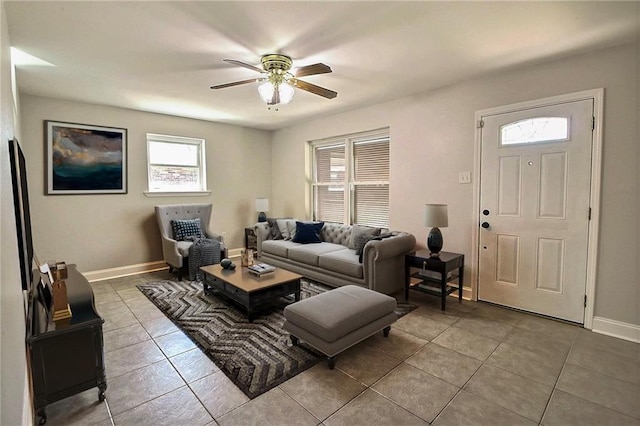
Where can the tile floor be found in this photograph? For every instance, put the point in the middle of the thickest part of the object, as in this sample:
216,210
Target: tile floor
476,364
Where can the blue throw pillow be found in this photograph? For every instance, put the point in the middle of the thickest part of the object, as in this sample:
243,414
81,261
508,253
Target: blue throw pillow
186,228
308,233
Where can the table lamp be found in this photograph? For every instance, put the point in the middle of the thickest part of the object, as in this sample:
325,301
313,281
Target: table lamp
262,205
435,215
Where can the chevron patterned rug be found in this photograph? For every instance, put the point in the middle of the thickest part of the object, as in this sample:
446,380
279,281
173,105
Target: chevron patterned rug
256,356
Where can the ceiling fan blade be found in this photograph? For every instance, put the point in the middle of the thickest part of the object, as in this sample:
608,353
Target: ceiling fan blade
312,88
242,64
312,70
235,83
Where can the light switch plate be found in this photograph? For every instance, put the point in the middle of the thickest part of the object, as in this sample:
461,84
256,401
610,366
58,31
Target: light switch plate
464,177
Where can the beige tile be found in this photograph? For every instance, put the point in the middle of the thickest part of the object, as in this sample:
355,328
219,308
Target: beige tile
126,283
193,365
553,329
271,408
322,391
484,327
466,343
444,363
370,408
131,293
497,313
420,326
115,318
174,343
566,409
178,407
80,409
414,390
366,364
469,409
128,391
218,394
539,343
624,348
515,393
123,337
526,363
398,344
105,298
616,394
158,326
131,358
608,363
436,314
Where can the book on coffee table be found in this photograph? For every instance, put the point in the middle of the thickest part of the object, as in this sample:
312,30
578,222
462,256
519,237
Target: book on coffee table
261,269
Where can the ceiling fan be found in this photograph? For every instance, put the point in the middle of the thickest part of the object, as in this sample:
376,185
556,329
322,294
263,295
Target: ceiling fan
277,81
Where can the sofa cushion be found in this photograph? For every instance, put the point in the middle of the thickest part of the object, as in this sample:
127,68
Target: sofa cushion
343,261
186,228
278,247
274,231
308,232
309,253
336,233
287,228
357,230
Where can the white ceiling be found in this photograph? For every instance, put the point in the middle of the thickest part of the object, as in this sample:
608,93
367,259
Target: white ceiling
163,56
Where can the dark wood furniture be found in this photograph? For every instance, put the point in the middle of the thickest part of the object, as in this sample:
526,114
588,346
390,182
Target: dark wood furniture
435,275
67,357
250,239
248,290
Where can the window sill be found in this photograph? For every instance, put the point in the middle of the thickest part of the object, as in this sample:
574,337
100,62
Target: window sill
153,194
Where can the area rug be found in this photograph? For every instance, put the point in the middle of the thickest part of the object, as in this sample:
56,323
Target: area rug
256,356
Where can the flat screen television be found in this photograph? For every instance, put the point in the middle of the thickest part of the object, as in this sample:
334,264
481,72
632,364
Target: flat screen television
23,215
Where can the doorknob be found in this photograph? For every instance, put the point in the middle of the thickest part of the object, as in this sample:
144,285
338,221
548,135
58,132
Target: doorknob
485,225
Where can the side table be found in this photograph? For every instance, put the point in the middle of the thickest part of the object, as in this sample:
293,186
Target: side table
436,275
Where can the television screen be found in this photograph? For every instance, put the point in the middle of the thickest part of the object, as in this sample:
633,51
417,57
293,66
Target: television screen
23,217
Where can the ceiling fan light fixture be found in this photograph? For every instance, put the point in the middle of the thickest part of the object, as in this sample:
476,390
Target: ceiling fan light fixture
266,90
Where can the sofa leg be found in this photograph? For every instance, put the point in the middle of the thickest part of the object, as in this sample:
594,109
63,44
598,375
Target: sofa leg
294,340
386,330
331,362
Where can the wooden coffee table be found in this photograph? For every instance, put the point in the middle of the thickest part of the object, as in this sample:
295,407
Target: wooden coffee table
248,290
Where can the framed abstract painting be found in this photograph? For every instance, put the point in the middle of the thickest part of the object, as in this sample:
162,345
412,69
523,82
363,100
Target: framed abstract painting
85,159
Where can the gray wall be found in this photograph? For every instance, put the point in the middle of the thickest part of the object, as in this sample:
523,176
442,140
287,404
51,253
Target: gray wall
432,140
99,232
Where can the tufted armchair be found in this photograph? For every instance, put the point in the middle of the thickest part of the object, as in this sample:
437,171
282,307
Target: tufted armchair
176,252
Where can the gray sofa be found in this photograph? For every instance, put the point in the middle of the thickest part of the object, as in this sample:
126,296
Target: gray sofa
332,262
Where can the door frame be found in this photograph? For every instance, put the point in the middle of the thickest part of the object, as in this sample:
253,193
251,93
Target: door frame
597,95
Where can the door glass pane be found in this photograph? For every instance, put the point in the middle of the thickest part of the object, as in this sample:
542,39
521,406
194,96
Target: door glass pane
535,130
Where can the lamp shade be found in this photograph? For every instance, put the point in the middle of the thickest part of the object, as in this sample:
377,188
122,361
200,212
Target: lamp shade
435,215
262,204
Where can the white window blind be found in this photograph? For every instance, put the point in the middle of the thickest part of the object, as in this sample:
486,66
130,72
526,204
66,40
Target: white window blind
371,183
360,164
175,164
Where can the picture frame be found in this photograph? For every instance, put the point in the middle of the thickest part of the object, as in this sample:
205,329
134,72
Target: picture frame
85,159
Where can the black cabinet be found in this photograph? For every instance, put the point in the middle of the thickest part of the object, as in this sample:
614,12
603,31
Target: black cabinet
67,357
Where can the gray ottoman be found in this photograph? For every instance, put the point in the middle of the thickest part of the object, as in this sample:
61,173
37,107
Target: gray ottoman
338,319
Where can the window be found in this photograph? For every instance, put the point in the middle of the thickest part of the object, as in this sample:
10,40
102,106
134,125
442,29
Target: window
535,130
351,179
176,164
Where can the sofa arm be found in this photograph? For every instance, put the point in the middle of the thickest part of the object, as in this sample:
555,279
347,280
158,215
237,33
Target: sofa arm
263,233
383,262
398,245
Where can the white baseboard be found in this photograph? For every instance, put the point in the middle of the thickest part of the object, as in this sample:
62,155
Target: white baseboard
123,271
621,330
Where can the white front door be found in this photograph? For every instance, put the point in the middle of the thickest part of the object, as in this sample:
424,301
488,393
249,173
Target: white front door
534,208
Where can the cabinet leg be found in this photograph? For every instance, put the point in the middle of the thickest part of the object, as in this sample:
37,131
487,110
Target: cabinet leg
43,416
331,361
